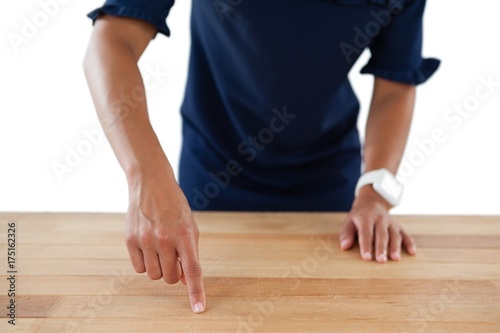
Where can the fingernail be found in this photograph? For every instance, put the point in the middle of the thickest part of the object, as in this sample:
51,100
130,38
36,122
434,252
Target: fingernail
343,244
367,256
382,257
198,307
395,256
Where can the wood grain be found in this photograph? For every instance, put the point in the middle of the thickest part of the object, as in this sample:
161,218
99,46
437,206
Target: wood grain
264,272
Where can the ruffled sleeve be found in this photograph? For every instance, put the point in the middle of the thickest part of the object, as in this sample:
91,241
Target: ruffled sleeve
396,52
414,76
151,11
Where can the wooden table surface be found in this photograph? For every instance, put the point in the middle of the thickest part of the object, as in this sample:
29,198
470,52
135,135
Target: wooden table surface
265,272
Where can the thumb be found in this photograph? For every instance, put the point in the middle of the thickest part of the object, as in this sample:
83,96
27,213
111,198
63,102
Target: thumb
193,276
347,234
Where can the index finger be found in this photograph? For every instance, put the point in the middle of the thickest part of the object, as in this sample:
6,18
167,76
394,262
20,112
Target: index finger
193,275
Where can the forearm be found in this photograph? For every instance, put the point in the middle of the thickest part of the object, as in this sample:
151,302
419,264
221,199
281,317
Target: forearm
388,125
387,129
118,93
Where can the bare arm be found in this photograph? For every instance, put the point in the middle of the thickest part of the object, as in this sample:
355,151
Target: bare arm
118,91
387,131
388,125
161,234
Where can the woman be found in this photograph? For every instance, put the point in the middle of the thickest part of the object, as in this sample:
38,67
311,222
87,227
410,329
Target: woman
269,119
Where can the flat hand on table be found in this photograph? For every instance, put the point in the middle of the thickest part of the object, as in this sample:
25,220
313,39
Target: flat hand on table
376,231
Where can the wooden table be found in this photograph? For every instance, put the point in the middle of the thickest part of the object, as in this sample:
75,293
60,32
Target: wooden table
275,272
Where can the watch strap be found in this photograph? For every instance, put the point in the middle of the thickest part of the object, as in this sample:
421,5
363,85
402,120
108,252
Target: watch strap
368,178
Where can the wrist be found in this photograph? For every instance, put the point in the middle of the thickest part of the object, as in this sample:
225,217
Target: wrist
153,169
368,193
150,182
383,183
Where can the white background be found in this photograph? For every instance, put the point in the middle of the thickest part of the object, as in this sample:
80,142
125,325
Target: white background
45,107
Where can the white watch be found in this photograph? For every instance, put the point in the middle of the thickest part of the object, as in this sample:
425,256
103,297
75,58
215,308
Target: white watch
384,183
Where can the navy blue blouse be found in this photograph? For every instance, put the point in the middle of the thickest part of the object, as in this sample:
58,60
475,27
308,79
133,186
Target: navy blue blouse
269,115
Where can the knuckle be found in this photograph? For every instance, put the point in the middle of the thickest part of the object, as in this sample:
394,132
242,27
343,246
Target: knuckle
196,291
192,270
382,234
394,228
187,234
409,240
130,239
396,245
364,217
396,242
380,240
145,240
397,237
154,274
381,221
139,268
162,237
171,279
365,233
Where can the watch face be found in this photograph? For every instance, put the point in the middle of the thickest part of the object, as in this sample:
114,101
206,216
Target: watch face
391,186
